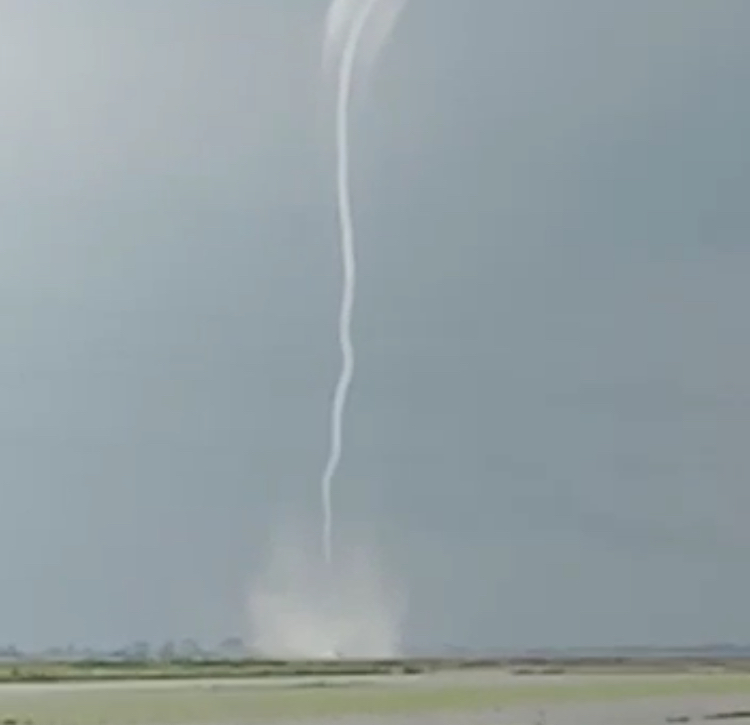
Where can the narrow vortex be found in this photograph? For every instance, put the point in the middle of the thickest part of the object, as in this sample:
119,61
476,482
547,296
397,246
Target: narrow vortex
346,226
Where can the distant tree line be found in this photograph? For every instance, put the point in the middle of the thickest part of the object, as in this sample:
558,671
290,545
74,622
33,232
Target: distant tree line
140,651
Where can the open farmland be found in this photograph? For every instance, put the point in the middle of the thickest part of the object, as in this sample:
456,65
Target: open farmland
470,696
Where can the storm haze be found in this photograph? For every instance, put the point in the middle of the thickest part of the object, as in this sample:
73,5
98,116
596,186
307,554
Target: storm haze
551,390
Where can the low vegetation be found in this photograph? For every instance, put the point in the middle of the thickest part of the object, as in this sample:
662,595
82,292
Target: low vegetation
88,670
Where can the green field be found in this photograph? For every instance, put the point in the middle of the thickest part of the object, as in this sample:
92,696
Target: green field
186,704
89,670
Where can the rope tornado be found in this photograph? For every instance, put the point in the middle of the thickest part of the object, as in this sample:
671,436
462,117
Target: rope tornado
347,19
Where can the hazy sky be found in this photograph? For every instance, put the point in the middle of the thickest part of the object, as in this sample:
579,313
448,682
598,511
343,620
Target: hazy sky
550,417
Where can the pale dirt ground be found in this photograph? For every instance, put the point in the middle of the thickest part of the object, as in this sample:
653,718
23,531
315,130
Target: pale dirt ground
645,711
446,678
652,711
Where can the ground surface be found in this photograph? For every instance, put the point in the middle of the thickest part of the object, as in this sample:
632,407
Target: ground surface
475,697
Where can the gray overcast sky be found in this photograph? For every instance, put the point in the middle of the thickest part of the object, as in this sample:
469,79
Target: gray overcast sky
549,423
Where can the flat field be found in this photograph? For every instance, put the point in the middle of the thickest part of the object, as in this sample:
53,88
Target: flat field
476,696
